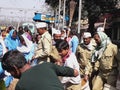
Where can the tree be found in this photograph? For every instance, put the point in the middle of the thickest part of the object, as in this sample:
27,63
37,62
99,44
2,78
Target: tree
52,3
96,8
92,9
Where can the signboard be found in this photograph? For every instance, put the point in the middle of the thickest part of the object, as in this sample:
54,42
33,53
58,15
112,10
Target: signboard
42,17
47,18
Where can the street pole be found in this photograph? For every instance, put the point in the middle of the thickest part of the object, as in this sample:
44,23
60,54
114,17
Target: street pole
64,13
79,18
59,14
56,16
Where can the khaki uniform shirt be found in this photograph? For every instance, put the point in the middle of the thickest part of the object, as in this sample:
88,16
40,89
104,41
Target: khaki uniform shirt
54,55
84,58
107,62
44,47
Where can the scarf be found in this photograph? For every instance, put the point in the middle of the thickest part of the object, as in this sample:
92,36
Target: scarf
89,46
27,48
66,56
10,42
98,52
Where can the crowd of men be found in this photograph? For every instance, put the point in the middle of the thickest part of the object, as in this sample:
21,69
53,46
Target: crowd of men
58,60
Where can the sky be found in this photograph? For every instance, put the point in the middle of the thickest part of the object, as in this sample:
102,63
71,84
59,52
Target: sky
22,9
29,4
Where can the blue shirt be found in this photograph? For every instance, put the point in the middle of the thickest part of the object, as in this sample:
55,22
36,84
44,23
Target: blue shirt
74,43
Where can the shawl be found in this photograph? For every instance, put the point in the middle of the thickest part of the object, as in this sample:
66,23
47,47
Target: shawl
10,42
99,50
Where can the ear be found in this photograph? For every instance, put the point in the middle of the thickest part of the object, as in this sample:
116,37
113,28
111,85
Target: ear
16,69
67,48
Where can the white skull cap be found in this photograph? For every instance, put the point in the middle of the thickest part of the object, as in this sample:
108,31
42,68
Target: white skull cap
100,29
41,25
86,35
57,32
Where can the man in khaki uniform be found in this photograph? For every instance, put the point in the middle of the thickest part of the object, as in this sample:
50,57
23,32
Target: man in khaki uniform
118,78
44,44
84,53
54,56
105,62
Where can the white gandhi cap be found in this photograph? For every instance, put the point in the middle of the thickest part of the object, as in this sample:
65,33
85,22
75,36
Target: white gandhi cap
57,32
86,35
41,25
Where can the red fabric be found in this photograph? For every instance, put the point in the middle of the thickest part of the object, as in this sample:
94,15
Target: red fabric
65,57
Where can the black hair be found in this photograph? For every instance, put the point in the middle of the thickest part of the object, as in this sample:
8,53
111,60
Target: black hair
61,44
21,38
73,32
26,29
13,58
20,30
10,27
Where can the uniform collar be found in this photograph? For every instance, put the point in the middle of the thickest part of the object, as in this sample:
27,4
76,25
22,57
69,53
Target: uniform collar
44,34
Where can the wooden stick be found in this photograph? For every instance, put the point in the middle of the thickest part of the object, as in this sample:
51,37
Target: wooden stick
104,23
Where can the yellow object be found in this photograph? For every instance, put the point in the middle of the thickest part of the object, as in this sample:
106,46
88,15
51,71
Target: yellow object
2,85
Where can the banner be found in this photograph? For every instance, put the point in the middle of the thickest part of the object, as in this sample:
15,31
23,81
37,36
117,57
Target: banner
42,17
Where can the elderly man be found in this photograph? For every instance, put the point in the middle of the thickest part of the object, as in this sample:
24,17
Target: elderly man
56,35
44,44
105,62
54,55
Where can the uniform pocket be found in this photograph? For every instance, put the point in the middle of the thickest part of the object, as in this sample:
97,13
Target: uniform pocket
107,61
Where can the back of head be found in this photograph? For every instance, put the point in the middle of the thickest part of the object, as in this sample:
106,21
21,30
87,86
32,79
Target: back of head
13,58
73,32
20,28
10,28
62,45
26,29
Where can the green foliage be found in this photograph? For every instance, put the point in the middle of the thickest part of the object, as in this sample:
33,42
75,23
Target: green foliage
52,3
89,7
2,85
